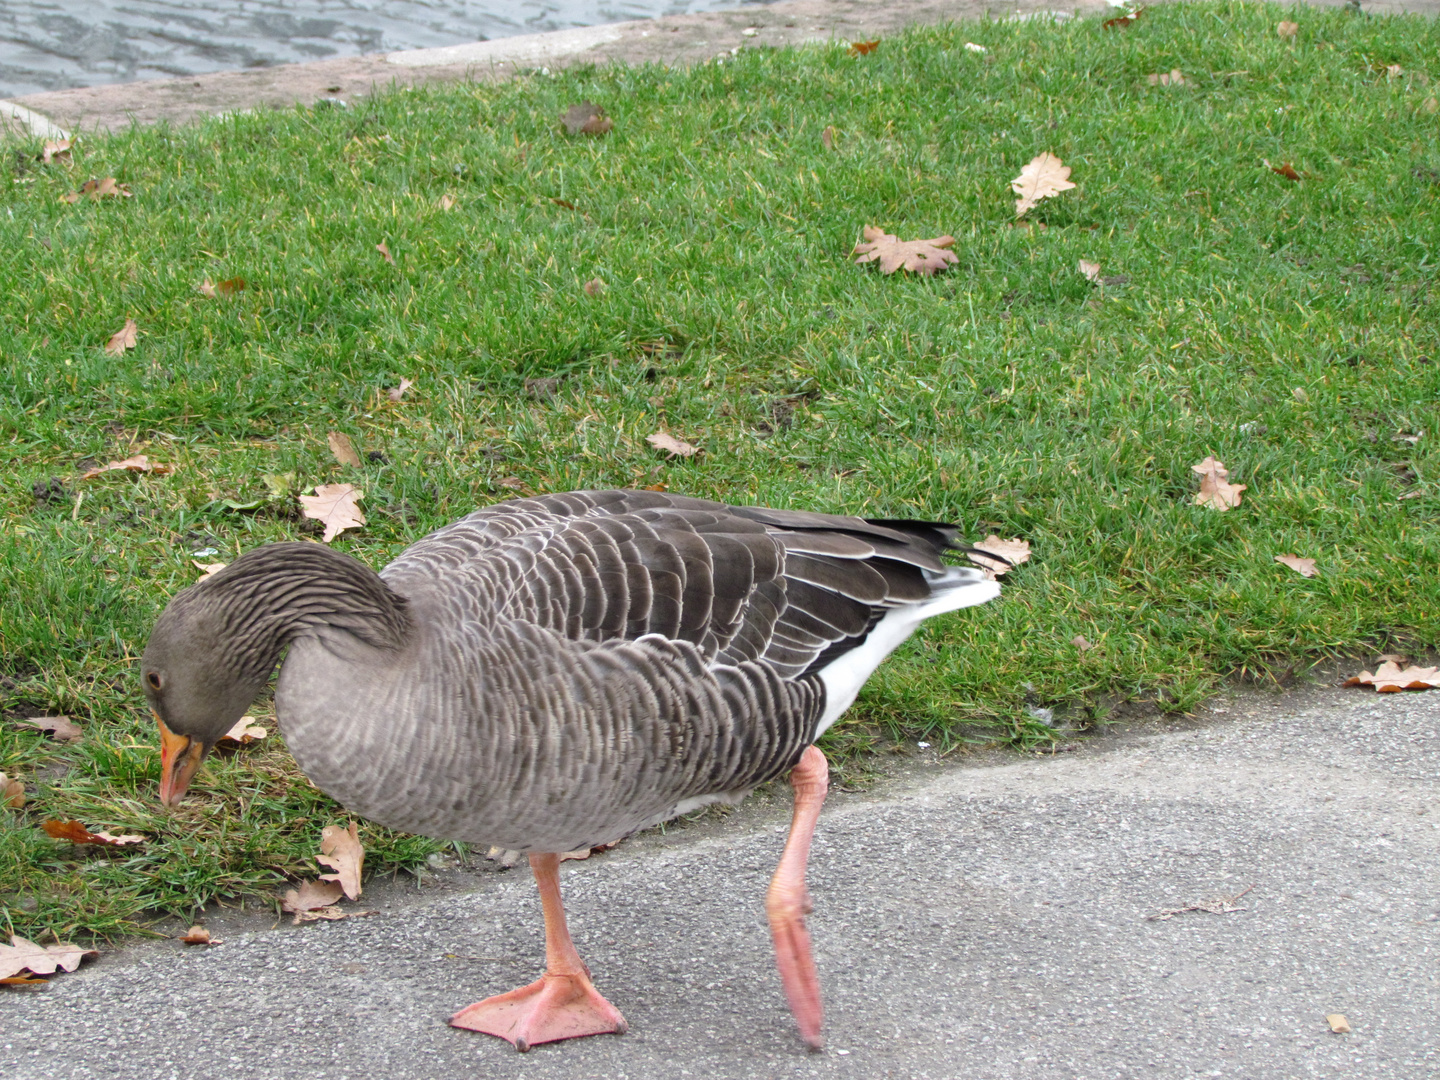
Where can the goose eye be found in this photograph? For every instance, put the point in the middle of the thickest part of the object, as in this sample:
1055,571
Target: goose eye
154,680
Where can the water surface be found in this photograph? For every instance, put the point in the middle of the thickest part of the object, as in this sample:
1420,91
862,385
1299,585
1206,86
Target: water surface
55,44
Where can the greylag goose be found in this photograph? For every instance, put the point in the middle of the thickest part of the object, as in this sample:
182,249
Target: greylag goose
556,673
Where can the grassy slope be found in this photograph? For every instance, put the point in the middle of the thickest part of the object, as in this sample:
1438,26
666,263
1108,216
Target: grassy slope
1289,329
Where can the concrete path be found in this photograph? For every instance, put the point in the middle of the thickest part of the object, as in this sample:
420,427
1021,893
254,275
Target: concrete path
678,39
993,919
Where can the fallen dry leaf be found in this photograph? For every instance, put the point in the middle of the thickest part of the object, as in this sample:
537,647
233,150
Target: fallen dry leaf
21,955
578,853
1393,71
1043,176
1338,1024
586,118
311,895
198,935
243,733
1303,567
59,728
1215,489
827,138
864,48
342,852
593,287
1122,21
395,393
78,834
1080,643
208,569
337,506
1430,106
12,792
1166,78
122,339
1287,29
916,256
56,150
678,447
221,289
107,188
385,252
1012,553
506,857
566,203
447,201
343,449
1091,270
331,914
1390,678
137,464
1221,905
1286,170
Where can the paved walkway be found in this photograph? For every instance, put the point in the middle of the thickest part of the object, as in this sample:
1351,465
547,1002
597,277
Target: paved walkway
985,920
679,39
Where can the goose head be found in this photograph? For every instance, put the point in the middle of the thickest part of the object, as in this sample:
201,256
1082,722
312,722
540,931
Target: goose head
198,683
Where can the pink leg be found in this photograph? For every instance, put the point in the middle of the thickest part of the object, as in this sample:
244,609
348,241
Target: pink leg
562,1003
788,901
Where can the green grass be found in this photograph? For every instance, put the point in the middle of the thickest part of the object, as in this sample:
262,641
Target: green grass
1287,328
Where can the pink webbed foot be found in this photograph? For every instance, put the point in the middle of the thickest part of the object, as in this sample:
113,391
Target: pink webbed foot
552,1008
787,910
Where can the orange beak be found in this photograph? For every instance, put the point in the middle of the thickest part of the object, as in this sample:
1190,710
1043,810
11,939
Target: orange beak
180,756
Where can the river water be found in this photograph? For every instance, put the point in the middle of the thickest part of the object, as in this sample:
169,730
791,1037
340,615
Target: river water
55,44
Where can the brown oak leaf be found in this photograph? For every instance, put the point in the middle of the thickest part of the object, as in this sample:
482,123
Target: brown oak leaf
310,896
1391,678
1091,270
79,834
56,150
342,851
593,287
220,289
122,339
663,440
198,935
12,792
21,955
137,464
208,569
1287,29
447,201
1043,176
343,449
396,393
1303,567
586,118
245,731
384,250
1012,553
59,728
864,48
108,188
916,256
1215,488
336,506
1122,21
1286,170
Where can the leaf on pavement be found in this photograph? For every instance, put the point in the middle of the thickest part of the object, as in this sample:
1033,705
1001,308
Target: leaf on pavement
864,48
122,339
198,935
586,118
59,728
243,733
1216,491
917,256
343,449
342,851
1011,554
1338,1024
1286,170
220,289
396,393
662,440
56,150
311,895
1303,567
12,792
1043,176
1287,29
79,834
137,464
21,955
1391,678
335,505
